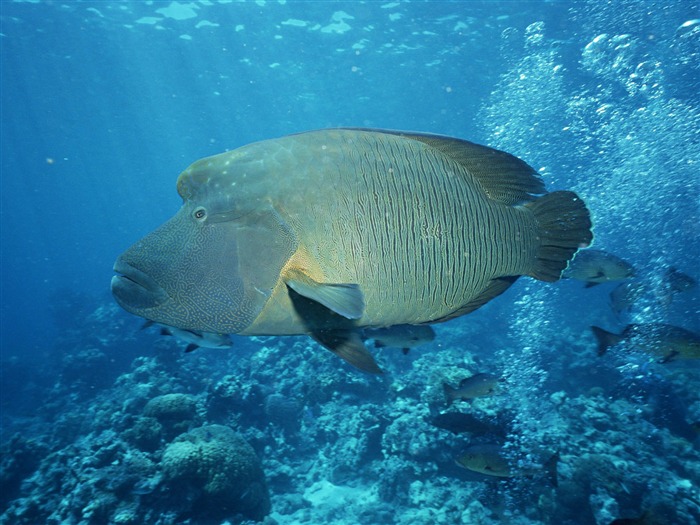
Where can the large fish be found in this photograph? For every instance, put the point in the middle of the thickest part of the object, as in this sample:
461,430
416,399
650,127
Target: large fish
328,232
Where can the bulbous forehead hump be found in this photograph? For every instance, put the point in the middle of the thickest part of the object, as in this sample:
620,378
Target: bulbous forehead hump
256,162
219,172
205,172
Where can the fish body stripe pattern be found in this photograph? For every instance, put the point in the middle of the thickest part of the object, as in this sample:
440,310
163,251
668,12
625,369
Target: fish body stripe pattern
412,228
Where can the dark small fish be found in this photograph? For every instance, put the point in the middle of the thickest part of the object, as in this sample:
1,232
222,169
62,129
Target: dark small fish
458,422
660,291
489,459
478,385
626,294
404,336
645,519
667,341
196,339
597,266
679,281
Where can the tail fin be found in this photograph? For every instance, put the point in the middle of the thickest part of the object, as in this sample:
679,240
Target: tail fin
449,393
605,339
564,227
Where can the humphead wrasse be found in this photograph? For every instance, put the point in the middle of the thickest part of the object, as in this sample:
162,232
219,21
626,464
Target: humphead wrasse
328,232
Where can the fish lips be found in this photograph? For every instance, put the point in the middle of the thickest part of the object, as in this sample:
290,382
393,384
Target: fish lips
135,290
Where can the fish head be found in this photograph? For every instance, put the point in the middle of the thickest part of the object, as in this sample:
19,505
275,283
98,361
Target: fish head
622,270
213,266
468,461
476,462
478,385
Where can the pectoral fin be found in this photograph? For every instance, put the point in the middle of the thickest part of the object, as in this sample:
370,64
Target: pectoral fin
348,345
343,299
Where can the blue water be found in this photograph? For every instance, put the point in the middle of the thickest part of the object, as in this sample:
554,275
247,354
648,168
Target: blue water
105,103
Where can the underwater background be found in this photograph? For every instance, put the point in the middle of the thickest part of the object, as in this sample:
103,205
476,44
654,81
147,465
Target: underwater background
104,103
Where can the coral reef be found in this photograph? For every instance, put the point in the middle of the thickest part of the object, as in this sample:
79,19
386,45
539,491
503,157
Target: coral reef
19,458
174,412
177,437
111,424
222,470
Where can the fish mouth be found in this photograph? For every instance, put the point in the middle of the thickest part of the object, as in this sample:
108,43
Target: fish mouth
134,289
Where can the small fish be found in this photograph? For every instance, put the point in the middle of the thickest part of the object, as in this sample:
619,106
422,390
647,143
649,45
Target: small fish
645,519
667,341
626,294
673,282
597,266
459,422
195,339
490,460
679,281
478,385
404,336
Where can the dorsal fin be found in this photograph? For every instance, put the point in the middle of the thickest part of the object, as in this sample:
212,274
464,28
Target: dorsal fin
504,177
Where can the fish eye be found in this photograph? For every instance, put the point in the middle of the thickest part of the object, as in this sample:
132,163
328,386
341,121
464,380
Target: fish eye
200,213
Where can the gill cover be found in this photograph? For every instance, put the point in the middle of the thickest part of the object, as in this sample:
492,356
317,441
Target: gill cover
217,260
